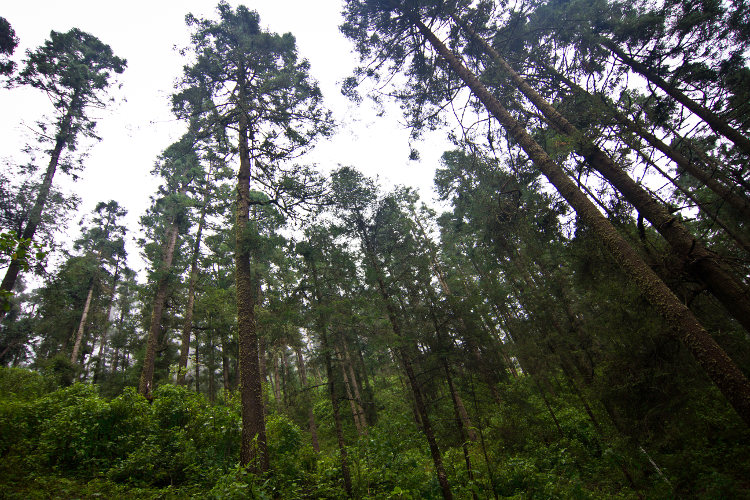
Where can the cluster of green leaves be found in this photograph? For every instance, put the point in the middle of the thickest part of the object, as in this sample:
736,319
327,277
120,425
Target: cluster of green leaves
178,440
22,250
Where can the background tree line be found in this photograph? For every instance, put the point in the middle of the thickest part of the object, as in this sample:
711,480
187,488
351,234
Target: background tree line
574,323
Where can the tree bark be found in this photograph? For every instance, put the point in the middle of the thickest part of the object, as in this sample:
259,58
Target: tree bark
718,124
347,363
725,193
253,452
461,413
160,298
699,261
62,138
322,325
82,324
103,338
408,368
187,326
225,363
311,414
719,367
197,366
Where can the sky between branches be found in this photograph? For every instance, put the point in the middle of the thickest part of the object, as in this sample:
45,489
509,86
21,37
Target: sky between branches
136,129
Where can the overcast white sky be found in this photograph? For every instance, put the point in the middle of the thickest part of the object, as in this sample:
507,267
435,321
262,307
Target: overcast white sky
140,126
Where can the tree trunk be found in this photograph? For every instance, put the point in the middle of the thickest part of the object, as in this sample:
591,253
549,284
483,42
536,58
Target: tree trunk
311,415
115,360
717,123
739,203
82,324
187,326
105,327
211,370
225,363
461,413
408,368
322,324
347,360
154,330
253,452
352,403
197,366
719,367
276,381
62,138
699,261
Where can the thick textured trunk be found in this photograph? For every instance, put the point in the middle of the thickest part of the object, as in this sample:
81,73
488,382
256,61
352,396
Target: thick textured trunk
718,366
698,259
717,123
157,311
62,138
253,452
82,325
187,326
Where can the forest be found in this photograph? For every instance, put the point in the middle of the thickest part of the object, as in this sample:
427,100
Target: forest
571,320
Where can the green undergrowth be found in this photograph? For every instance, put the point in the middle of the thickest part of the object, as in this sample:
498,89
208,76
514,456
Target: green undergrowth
73,443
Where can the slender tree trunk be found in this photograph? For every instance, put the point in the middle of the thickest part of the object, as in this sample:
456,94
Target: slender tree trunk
463,423
225,363
408,368
719,367
352,403
62,139
322,324
347,360
700,262
197,366
211,370
160,298
738,238
187,326
284,378
716,122
461,413
253,452
369,400
115,360
311,415
437,458
735,200
116,357
276,381
82,324
103,338
726,194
